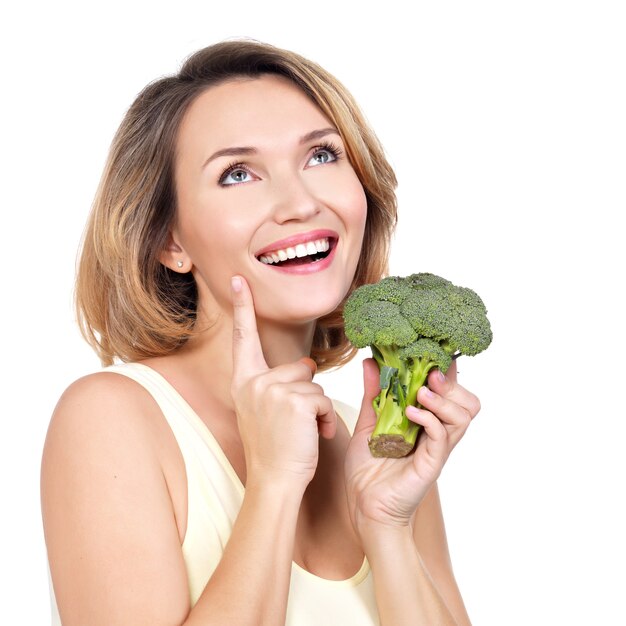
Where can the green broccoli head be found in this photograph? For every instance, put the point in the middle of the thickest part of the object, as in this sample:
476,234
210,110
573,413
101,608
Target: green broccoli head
454,316
425,281
372,315
427,350
413,324
391,289
380,323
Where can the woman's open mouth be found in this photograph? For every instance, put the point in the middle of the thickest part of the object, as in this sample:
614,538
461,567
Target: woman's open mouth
301,258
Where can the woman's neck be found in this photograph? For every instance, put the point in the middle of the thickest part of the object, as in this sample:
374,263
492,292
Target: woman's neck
208,357
285,344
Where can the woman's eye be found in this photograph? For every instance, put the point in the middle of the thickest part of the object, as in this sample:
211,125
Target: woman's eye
323,156
234,177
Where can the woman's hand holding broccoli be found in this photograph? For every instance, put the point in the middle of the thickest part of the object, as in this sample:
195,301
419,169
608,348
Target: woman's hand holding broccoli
280,411
416,326
384,492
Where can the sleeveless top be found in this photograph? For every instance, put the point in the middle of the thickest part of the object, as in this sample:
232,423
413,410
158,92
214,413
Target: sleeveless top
215,494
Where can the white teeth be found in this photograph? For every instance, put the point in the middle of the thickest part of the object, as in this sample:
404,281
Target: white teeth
300,250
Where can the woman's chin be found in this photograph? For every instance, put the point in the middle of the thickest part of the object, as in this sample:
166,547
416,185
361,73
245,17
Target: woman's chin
300,310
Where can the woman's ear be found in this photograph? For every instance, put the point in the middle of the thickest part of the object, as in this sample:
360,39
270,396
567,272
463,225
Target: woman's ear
174,255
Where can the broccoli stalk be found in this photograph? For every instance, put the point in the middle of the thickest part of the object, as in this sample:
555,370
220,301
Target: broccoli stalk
413,325
401,377
390,402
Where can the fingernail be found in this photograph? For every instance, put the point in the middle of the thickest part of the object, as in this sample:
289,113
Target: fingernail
427,392
440,375
235,283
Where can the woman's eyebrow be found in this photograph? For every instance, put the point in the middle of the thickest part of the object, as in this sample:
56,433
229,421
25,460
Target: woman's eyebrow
245,150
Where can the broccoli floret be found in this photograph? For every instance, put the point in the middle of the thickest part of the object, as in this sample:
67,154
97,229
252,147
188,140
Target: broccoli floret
412,324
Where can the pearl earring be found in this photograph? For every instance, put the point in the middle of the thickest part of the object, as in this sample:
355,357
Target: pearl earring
179,263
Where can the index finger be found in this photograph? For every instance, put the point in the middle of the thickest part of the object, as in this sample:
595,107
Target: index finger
247,351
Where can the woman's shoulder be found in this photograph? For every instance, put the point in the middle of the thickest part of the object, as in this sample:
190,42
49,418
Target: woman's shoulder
99,411
102,391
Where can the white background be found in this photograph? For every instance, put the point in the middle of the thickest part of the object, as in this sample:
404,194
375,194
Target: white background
505,123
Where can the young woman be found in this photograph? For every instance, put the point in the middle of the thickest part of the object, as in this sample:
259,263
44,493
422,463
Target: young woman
204,478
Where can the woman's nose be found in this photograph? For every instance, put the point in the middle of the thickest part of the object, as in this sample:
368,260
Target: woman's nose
293,200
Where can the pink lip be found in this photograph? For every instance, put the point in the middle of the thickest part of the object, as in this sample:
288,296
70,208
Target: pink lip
294,240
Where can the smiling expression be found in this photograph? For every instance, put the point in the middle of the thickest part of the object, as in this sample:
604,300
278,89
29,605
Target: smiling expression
265,190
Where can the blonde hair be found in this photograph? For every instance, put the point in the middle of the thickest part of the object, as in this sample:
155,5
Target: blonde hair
132,307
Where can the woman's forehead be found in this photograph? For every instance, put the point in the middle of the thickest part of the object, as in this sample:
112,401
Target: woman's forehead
249,112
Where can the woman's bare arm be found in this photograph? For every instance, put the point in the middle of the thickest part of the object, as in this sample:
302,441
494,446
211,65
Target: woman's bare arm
412,570
429,534
405,593
113,543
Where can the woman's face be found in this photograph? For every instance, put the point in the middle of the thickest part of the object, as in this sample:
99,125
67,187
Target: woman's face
262,175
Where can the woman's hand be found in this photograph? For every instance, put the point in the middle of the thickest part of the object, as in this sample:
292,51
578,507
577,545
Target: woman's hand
386,492
280,411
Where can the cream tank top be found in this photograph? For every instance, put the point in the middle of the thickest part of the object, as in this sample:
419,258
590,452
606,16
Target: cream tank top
215,495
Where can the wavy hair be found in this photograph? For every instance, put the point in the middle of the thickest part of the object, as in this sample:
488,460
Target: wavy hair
130,306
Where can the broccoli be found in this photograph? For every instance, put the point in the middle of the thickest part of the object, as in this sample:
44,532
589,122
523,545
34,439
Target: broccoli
412,324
